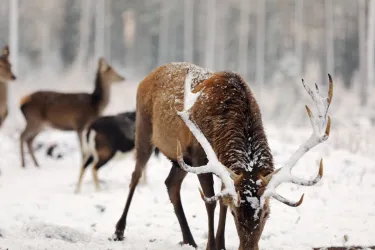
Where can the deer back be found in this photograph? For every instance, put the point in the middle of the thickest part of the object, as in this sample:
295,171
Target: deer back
157,97
65,111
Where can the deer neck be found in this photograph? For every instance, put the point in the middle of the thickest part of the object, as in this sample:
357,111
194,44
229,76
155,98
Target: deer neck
101,94
242,146
246,153
250,154
3,96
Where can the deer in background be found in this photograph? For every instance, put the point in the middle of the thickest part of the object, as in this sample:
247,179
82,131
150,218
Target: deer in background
6,75
218,131
66,111
107,138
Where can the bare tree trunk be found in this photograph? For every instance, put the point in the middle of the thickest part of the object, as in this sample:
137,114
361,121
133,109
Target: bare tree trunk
99,28
130,26
164,32
84,30
45,30
299,32
329,38
362,52
211,34
108,25
243,45
222,33
260,42
172,48
13,33
371,42
188,30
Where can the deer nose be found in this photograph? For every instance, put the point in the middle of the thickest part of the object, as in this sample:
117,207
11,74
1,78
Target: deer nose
14,77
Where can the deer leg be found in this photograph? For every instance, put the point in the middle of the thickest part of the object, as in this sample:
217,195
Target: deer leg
28,135
87,162
220,233
80,139
173,183
95,178
137,173
207,184
31,150
95,169
143,148
22,151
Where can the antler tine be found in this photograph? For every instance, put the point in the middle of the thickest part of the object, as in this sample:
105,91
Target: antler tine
213,166
288,202
330,90
321,124
309,90
219,196
312,118
236,177
317,88
312,182
266,179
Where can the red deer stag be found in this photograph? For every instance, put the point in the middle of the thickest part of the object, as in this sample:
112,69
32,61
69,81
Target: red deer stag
66,111
5,76
219,131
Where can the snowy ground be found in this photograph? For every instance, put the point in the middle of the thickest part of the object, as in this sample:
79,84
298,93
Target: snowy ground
39,210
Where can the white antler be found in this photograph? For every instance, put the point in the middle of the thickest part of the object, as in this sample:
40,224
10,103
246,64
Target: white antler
321,125
214,165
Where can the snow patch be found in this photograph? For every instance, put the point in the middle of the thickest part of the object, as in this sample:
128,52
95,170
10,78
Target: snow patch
50,231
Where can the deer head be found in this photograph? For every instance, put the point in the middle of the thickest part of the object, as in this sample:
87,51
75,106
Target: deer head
245,190
6,73
108,73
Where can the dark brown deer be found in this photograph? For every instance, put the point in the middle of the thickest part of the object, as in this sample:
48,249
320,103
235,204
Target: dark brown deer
66,111
6,75
107,138
219,131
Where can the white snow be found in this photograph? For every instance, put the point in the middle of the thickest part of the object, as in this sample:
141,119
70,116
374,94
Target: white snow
39,209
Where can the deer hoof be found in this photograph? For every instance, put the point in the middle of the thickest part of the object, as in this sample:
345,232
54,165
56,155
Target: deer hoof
117,236
182,243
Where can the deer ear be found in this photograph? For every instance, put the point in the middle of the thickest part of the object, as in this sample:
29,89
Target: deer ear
103,66
5,50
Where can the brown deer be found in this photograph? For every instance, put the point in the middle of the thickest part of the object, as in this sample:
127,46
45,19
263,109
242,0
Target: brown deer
219,131
5,76
66,111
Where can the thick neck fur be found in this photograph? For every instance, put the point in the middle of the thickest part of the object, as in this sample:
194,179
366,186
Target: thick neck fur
100,96
3,96
236,131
